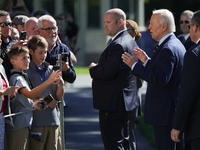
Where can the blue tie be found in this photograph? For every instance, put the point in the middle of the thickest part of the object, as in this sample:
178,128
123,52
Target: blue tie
109,41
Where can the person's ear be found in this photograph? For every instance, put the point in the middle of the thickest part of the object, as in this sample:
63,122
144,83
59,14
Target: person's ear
12,61
30,51
120,22
164,26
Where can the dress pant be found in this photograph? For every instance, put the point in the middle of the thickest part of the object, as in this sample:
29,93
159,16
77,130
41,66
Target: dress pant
192,144
114,129
163,139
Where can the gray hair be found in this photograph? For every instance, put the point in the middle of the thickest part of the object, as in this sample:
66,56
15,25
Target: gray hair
45,18
167,17
188,13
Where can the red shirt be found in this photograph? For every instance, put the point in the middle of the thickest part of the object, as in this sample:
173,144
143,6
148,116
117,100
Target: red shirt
4,86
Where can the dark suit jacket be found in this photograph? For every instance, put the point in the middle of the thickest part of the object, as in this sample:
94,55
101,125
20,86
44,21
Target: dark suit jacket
187,116
187,43
163,74
114,87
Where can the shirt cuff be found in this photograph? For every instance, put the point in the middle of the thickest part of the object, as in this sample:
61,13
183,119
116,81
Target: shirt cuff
133,65
146,61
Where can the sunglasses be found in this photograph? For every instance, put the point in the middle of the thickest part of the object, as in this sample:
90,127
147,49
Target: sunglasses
48,30
192,25
5,24
186,21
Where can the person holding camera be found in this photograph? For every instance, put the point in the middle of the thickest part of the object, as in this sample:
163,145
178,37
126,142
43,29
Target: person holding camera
45,122
25,100
47,28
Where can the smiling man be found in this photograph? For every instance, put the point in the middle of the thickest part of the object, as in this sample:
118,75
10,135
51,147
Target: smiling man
163,74
47,28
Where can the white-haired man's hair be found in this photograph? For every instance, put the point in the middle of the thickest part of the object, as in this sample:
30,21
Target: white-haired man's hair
45,17
167,17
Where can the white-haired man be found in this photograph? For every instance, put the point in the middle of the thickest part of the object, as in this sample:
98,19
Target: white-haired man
47,28
163,74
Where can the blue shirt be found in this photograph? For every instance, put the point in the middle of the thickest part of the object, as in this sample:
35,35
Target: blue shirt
41,71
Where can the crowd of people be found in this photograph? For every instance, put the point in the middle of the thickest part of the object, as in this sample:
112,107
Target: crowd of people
29,54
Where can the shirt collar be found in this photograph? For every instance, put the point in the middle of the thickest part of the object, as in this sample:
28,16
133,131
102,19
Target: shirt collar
197,41
39,69
117,34
187,36
52,48
165,37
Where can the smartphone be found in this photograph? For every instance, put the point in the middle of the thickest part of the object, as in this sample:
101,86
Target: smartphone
64,56
22,35
56,67
48,98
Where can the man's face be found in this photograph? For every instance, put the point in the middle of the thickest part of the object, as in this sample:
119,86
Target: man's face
49,31
155,27
192,31
31,28
20,27
5,31
184,22
39,55
110,24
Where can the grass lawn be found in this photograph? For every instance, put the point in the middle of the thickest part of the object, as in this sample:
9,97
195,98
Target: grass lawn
81,70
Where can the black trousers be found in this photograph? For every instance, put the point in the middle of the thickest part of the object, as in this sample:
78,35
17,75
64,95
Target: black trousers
163,139
114,130
192,144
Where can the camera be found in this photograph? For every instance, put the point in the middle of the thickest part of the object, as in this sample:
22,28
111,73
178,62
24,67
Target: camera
22,35
56,67
64,56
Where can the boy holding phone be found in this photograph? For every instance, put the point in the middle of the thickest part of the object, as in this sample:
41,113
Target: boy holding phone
17,136
45,126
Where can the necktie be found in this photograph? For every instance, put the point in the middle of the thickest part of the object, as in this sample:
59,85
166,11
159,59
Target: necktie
109,41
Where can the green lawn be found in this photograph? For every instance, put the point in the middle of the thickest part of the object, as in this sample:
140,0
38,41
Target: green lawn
81,70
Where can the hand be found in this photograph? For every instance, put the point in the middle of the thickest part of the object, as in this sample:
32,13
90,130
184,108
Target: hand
175,135
55,75
36,102
53,104
128,59
65,65
20,43
60,81
11,90
140,54
92,65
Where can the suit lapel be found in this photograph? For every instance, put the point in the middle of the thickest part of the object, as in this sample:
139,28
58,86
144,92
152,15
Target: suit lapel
158,50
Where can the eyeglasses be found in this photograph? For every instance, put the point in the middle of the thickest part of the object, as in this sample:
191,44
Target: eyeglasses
5,24
192,25
186,21
48,30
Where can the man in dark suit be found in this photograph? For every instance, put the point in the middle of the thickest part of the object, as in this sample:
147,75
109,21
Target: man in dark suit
187,116
184,21
163,74
114,87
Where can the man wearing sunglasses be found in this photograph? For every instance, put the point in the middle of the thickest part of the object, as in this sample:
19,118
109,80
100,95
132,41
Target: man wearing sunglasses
184,22
5,25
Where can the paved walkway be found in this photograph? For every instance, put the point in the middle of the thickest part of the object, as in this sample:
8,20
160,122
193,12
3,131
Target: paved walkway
81,119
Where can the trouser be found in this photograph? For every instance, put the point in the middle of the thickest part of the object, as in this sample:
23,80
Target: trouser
114,130
48,139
